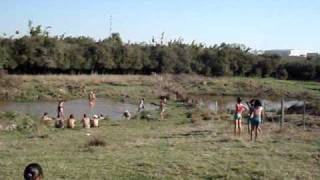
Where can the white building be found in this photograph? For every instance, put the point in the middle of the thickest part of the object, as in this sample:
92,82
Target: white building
312,55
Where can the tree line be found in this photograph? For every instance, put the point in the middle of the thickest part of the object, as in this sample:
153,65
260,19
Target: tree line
40,53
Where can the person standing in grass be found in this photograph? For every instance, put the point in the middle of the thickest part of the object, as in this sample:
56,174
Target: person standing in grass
141,105
256,119
240,108
162,107
33,172
251,109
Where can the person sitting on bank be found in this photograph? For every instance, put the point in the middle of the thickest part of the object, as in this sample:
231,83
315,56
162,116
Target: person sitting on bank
101,117
71,122
59,123
85,121
46,119
127,115
94,121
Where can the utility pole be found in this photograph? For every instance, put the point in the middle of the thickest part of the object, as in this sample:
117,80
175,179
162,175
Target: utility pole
110,25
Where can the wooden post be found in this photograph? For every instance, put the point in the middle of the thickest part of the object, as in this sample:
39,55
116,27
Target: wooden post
216,106
282,113
265,110
303,117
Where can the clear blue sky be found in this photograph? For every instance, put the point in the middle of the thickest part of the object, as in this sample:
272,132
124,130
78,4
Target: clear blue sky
260,24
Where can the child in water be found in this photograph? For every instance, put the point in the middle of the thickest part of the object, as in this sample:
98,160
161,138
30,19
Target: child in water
240,108
60,111
141,105
92,100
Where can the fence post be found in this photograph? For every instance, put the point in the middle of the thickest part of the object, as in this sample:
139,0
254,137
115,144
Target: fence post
303,117
265,110
217,107
282,113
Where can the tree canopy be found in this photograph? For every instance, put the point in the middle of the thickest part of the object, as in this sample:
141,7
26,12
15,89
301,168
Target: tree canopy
40,53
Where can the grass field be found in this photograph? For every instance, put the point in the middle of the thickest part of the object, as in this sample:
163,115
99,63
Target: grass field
190,143
171,149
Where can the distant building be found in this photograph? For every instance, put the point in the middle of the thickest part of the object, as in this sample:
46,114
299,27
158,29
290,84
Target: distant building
288,52
279,52
257,52
313,55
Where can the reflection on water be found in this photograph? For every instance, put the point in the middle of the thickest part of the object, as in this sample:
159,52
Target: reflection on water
77,107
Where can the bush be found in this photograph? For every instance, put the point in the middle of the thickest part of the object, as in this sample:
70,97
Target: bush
96,141
17,121
301,70
282,74
206,115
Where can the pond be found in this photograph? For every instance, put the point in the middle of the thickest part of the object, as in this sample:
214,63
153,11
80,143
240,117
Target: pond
77,107
115,109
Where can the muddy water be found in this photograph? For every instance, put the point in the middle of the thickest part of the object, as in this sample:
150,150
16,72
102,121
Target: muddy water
77,107
228,103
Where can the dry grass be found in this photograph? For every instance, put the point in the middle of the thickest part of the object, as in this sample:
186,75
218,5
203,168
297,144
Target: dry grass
51,87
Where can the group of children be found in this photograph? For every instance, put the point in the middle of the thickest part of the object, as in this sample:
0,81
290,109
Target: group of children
255,109
88,122
162,105
70,122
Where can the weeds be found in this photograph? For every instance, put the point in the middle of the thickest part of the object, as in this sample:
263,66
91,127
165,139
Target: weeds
95,141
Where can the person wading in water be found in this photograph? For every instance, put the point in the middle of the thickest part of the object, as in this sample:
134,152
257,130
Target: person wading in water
92,101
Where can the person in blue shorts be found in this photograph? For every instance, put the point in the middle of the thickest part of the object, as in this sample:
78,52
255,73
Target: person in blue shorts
256,118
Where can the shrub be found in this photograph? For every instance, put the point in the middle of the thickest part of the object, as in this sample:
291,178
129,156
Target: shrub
96,141
206,115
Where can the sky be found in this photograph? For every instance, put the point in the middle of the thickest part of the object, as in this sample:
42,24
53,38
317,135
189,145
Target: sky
258,24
